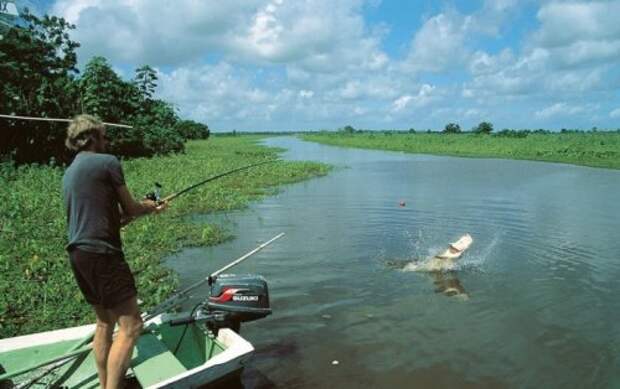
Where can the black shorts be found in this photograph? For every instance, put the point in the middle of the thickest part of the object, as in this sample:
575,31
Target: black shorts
104,279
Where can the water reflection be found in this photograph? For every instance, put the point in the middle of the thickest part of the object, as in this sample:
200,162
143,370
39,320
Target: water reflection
448,283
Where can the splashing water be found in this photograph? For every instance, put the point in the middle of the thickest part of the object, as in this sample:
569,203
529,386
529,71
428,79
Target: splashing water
468,260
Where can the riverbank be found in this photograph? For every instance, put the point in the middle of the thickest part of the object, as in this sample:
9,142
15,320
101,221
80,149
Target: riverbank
37,290
596,149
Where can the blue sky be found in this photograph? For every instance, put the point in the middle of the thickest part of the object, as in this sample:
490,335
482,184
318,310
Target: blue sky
323,64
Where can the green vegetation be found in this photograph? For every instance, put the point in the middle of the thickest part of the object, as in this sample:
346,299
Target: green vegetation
37,290
40,78
597,149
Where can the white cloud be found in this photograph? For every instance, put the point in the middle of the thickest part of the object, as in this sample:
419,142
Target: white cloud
578,33
563,23
439,44
583,52
482,63
319,35
219,91
534,72
400,103
424,96
124,30
258,64
560,109
472,113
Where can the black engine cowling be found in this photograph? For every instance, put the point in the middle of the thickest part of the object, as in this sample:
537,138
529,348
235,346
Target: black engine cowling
242,297
233,299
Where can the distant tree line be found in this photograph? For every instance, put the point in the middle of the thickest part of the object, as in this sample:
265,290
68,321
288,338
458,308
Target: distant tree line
40,78
484,128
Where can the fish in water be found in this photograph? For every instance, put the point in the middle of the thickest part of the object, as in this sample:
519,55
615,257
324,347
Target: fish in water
444,260
439,267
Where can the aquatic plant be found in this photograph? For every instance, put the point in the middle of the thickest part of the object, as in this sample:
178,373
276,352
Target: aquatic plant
37,290
597,149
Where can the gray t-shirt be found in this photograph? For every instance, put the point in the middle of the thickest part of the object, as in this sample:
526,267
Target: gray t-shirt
91,199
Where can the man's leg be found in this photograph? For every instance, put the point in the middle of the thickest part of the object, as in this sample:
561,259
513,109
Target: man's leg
129,329
103,341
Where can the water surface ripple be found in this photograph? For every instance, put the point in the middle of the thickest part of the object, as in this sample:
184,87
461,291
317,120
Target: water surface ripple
541,278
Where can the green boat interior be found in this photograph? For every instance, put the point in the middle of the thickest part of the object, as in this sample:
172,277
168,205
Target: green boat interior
163,351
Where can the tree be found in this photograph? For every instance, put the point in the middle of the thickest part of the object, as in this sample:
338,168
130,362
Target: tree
105,94
484,128
39,78
190,129
37,69
348,130
145,80
452,128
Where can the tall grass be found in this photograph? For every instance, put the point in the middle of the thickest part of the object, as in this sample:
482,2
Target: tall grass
37,290
597,149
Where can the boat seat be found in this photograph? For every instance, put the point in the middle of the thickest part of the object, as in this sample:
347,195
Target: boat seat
152,362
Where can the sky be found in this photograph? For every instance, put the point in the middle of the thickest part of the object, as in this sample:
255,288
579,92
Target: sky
279,65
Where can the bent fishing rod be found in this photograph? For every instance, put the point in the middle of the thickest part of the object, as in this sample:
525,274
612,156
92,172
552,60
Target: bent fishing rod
155,194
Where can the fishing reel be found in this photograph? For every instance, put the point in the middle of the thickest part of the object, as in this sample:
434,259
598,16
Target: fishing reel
155,194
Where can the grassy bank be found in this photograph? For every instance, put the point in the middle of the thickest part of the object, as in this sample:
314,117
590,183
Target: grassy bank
597,149
37,290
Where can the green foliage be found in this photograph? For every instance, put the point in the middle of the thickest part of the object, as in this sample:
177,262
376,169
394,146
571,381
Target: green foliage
145,80
452,128
105,94
507,133
37,289
162,140
598,149
114,100
190,129
483,128
348,129
37,69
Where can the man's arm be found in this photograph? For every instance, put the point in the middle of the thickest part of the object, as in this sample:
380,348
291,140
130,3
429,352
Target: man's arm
132,209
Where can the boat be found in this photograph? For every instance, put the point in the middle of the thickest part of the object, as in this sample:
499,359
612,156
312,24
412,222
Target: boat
175,350
165,356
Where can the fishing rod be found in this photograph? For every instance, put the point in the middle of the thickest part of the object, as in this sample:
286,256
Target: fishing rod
15,117
82,347
155,194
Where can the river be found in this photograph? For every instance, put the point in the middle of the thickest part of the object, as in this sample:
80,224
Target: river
534,303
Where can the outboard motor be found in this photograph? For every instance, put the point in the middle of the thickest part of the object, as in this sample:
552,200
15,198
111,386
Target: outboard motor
240,298
233,299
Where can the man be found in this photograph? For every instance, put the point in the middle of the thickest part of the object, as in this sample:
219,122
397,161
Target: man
98,203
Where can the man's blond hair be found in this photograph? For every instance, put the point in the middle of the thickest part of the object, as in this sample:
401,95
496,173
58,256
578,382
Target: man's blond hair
82,131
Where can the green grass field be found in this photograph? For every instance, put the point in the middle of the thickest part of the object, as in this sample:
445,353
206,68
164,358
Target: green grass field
37,290
597,149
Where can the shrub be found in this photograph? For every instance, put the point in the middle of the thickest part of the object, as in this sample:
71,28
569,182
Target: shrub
190,129
483,128
452,128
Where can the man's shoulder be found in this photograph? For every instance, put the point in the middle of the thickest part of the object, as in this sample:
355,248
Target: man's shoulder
96,161
102,158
